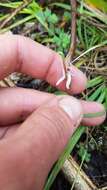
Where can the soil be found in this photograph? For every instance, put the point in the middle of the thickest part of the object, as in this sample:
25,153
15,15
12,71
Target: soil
96,169
61,183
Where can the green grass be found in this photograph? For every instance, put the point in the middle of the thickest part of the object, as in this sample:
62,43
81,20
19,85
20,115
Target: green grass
76,136
89,38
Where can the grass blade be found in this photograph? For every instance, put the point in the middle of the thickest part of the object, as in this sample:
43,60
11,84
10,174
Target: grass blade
92,115
101,97
73,141
26,19
62,5
97,92
95,81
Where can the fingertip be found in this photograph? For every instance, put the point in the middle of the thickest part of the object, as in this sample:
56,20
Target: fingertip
79,80
26,56
56,70
97,111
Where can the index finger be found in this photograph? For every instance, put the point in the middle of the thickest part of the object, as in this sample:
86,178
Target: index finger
23,55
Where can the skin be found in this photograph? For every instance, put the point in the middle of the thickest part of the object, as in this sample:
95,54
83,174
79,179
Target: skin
34,128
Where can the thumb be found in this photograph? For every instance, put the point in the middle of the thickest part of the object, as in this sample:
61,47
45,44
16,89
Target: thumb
39,142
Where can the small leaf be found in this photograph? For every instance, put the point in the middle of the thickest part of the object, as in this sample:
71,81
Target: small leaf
67,16
53,19
47,13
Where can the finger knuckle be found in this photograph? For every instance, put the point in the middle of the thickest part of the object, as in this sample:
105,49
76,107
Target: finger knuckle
55,122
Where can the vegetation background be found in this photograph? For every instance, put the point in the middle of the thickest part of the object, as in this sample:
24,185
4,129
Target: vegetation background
75,28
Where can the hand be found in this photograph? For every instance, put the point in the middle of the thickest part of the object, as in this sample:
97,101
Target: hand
35,126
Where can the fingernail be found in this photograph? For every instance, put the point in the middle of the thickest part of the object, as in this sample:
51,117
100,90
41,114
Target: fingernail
72,107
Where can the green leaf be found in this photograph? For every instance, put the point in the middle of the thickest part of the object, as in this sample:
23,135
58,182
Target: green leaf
106,98
101,97
62,5
101,4
83,150
72,142
95,81
62,40
40,17
18,23
47,13
67,16
53,19
96,93
11,5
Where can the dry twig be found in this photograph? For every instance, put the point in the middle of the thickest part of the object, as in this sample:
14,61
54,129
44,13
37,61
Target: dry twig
69,58
70,170
73,29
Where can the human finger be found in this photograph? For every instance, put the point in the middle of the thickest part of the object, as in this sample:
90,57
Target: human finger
94,113
30,150
17,104
8,130
26,56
